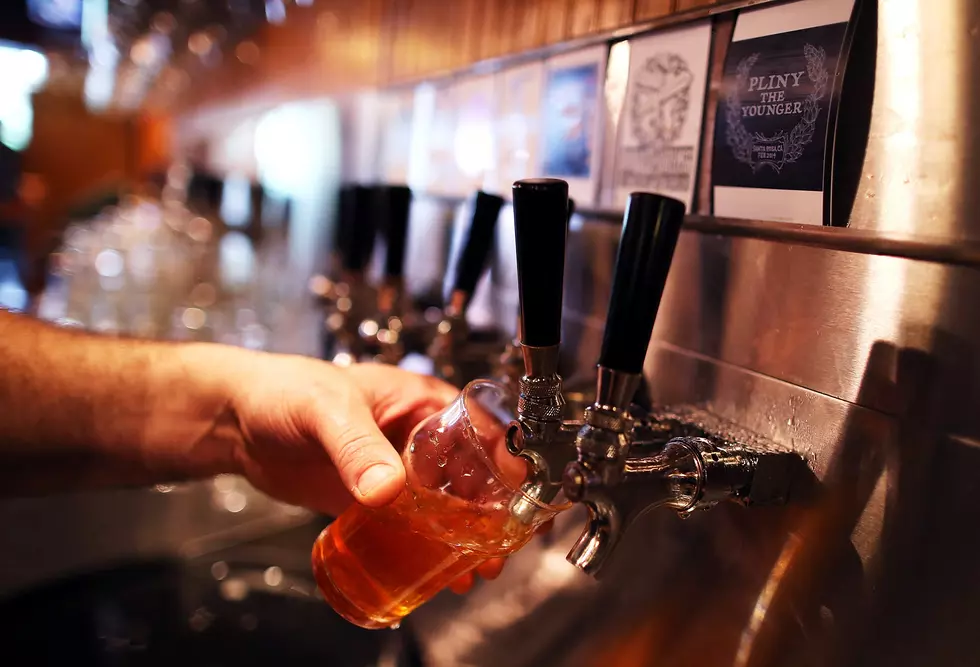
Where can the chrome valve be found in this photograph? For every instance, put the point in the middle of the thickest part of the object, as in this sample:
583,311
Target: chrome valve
348,298
459,354
380,334
618,468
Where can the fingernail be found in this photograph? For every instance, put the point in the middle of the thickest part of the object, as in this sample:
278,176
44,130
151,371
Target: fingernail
373,477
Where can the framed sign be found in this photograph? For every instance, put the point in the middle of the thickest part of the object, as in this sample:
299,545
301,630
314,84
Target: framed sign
659,132
519,94
782,71
572,123
432,160
396,135
475,145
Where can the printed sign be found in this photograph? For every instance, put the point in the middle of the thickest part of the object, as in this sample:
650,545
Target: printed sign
572,121
519,93
781,73
660,128
432,164
396,137
475,147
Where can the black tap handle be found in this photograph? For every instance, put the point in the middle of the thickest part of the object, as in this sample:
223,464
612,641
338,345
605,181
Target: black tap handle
363,226
396,203
650,229
479,241
344,223
541,226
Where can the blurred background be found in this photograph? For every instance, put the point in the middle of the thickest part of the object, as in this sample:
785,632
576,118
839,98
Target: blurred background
235,171
173,169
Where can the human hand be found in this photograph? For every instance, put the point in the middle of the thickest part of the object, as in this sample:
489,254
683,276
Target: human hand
320,436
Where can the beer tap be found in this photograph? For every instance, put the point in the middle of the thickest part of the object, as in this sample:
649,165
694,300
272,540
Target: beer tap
617,468
539,433
328,286
510,365
380,333
457,353
350,297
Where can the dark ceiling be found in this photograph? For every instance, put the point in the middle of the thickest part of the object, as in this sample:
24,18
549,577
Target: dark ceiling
154,44
231,20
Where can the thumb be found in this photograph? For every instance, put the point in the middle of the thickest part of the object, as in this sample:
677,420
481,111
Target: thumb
368,464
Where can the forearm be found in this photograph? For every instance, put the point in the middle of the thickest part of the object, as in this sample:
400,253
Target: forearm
80,411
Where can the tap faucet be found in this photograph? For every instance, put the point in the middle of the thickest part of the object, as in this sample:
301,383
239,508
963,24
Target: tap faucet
457,354
617,468
539,433
347,299
510,365
380,332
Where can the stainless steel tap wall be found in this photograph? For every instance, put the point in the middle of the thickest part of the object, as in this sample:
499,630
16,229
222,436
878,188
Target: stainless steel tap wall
866,362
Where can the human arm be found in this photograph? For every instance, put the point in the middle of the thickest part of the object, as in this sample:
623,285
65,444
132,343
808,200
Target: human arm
79,411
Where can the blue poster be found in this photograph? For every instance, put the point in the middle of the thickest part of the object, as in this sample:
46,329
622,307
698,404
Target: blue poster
570,109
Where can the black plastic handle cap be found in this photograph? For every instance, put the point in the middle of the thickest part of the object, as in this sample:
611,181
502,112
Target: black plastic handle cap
344,223
396,205
479,241
541,227
646,247
363,227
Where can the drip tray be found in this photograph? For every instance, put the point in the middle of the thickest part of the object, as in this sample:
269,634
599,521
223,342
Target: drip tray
249,605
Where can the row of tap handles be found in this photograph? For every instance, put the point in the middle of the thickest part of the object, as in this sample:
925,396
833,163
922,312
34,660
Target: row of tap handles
602,454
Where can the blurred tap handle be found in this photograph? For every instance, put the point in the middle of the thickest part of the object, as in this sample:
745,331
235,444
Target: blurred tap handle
541,227
362,226
342,224
571,209
479,241
651,226
395,203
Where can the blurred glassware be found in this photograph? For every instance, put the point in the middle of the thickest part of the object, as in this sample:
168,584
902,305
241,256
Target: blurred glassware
157,268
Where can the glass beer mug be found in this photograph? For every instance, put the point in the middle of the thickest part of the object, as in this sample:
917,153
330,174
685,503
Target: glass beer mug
466,500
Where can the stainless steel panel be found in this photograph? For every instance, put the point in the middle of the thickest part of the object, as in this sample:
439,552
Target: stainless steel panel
922,154
869,565
812,317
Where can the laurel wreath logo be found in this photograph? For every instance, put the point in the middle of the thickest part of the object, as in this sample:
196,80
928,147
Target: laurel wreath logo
660,101
793,142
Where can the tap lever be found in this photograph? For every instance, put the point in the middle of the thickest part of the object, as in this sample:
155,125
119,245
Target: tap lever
394,208
363,226
476,248
344,224
651,226
541,226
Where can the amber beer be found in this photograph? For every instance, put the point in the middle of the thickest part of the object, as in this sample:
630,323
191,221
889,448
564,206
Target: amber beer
462,505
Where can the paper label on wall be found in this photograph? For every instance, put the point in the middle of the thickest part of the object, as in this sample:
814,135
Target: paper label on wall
475,146
572,121
518,125
396,136
660,126
781,72
432,162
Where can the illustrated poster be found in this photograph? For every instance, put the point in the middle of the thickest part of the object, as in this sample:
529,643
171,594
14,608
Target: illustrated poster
396,135
660,127
432,162
519,95
474,147
781,72
572,121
